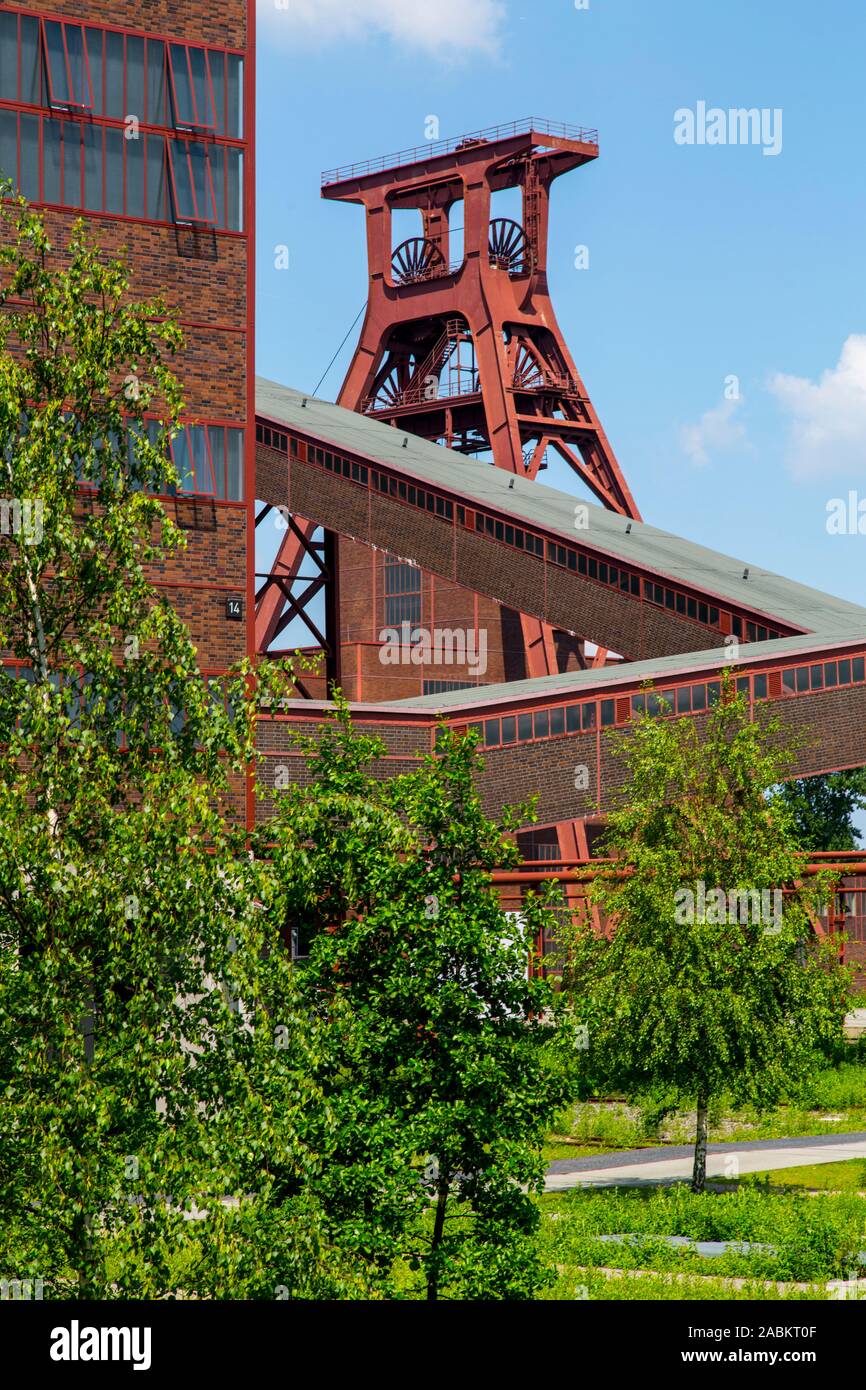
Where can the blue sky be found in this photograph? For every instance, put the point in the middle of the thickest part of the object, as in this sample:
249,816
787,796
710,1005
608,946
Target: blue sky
706,261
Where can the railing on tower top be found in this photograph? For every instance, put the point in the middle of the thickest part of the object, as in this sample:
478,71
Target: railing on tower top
433,148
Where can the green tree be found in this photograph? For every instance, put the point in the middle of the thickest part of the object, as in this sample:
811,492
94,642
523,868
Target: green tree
152,1060
708,985
442,1080
824,808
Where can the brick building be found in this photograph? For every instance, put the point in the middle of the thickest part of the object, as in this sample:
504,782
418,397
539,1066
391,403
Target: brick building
140,119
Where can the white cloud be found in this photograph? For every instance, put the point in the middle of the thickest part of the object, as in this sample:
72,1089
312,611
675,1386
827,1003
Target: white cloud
827,417
443,28
717,432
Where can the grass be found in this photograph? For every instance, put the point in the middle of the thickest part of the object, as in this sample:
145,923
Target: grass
847,1176
813,1240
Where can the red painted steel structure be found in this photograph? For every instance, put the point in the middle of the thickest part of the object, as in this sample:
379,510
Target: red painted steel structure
468,351
843,918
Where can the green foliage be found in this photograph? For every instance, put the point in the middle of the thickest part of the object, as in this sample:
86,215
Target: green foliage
141,970
695,1004
442,1081
804,1238
824,807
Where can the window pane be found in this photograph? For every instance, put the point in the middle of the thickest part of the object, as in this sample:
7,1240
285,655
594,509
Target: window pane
182,461
699,697
94,54
542,723
181,85
557,721
134,152
29,180
235,104
760,686
524,727
802,678
830,676
9,145
491,732
52,160
8,56
114,76
202,92
71,164
217,77
134,77
684,699
844,672
217,437
202,185
235,491
156,95
114,171
157,202
92,167
235,190
203,479
608,712
857,668
572,718
31,67
588,717
817,681
509,730
67,63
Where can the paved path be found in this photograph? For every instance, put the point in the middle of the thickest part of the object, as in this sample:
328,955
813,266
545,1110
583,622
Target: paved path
640,1167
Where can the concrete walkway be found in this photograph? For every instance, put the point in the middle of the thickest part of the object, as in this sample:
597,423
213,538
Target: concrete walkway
643,1167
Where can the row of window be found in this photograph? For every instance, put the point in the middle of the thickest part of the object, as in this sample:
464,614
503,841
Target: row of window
565,556
827,675
208,459
546,723
113,75
76,164
434,687
275,439
216,689
680,700
505,532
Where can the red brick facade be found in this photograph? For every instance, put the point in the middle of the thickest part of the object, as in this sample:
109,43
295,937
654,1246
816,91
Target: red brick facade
205,274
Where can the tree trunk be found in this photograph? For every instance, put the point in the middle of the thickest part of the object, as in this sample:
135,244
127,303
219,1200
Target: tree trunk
438,1230
699,1172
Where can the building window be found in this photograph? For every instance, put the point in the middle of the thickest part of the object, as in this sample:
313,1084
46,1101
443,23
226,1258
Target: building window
192,91
402,593
440,687
67,66
192,185
87,152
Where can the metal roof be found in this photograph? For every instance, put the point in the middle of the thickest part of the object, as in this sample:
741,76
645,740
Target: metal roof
830,619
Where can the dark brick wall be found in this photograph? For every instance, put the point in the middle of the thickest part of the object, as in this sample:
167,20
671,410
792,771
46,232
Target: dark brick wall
224,25
522,582
203,277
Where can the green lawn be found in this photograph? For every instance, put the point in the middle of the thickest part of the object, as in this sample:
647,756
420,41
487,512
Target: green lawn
848,1176
814,1239
796,1239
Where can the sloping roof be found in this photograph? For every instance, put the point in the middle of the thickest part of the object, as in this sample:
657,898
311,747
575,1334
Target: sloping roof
535,504
827,620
